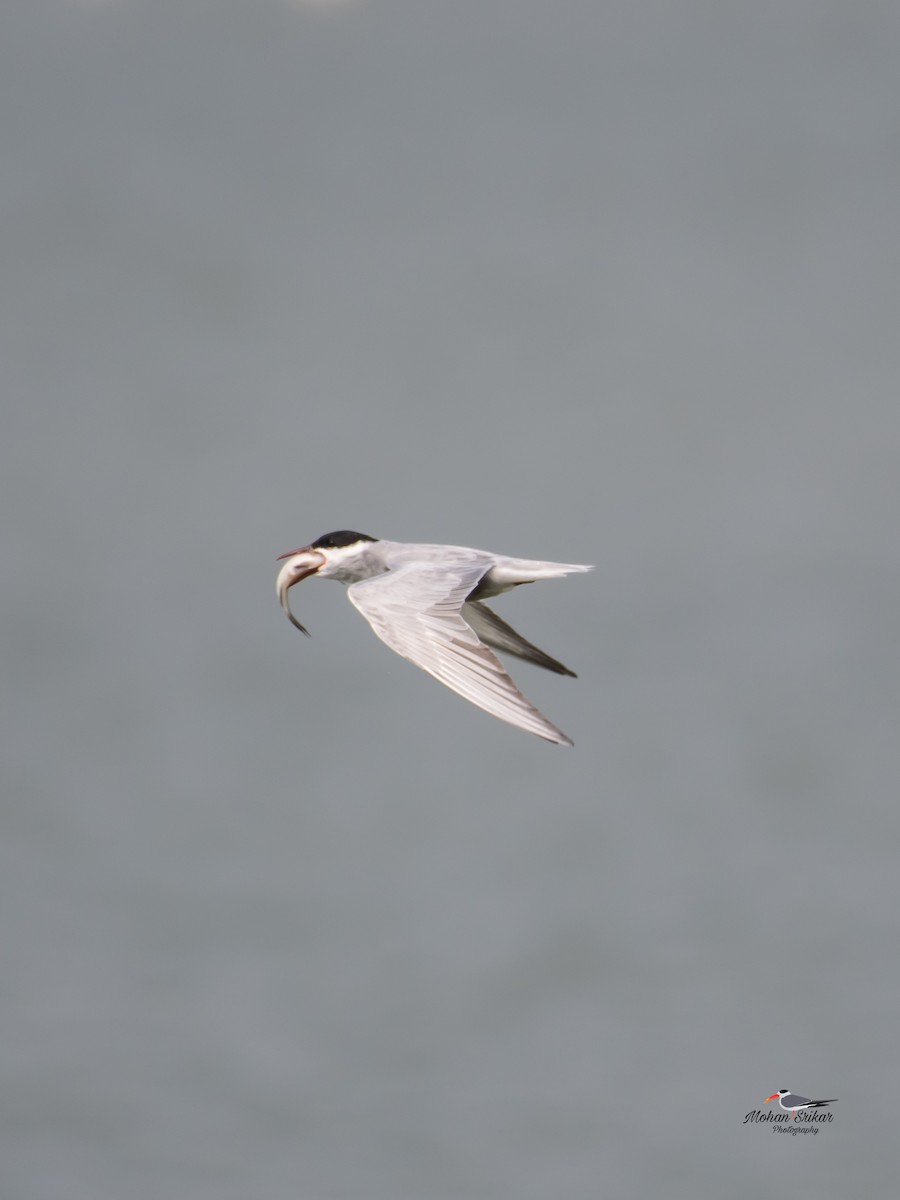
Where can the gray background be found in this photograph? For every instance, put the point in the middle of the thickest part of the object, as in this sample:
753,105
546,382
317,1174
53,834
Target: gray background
614,283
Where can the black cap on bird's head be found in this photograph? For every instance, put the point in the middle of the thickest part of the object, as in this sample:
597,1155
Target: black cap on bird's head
340,537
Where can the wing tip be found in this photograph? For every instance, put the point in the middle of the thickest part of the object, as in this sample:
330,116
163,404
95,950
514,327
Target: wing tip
558,738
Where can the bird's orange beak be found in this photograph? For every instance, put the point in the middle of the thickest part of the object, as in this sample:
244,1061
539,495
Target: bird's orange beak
774,1096
299,564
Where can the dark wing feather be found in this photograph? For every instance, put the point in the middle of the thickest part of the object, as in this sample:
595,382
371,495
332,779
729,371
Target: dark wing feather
495,632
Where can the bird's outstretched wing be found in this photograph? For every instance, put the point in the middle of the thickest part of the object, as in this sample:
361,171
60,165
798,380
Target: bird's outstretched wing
495,632
416,610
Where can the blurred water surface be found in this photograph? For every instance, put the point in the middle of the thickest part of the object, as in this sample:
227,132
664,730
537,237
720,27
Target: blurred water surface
606,283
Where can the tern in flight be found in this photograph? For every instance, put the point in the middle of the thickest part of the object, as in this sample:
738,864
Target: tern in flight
427,604
795,1104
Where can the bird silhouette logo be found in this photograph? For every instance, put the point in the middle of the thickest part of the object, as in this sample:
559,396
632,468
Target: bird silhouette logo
794,1104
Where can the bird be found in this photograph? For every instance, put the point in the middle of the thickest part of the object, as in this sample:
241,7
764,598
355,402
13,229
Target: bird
426,602
793,1104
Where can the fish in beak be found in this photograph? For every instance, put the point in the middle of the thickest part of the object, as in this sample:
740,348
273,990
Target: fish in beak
299,564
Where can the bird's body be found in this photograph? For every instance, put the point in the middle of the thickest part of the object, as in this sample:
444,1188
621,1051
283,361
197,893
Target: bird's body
427,603
792,1103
